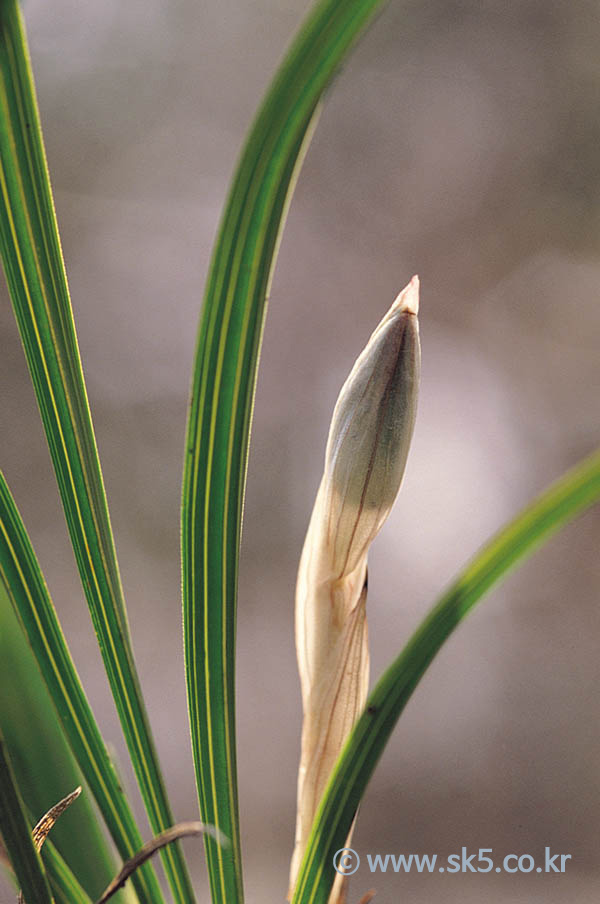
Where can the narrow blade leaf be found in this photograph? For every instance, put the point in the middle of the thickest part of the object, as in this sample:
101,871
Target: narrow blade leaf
221,404
64,883
37,282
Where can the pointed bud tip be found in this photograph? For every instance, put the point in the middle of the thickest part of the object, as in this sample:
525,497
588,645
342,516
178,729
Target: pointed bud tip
408,299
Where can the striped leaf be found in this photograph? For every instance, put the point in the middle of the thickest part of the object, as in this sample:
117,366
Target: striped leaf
64,884
24,583
573,493
221,404
37,282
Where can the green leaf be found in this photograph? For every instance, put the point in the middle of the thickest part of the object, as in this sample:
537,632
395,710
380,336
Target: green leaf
43,765
24,583
221,404
65,886
37,282
574,492
16,833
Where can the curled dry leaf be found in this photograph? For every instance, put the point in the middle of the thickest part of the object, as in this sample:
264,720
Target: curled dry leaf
181,830
366,454
42,829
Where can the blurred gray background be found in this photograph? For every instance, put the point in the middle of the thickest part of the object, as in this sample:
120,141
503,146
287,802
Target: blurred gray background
461,142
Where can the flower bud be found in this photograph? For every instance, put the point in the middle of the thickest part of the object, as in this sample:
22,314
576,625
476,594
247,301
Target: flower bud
366,455
371,430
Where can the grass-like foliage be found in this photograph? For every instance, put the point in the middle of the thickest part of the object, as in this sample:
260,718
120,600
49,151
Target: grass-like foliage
223,381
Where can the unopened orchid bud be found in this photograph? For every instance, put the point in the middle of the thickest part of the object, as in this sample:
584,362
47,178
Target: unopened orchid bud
371,431
365,459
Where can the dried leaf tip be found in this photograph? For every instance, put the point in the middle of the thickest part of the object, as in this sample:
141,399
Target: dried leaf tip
42,829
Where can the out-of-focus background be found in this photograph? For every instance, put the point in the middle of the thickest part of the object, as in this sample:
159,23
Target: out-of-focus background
460,142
